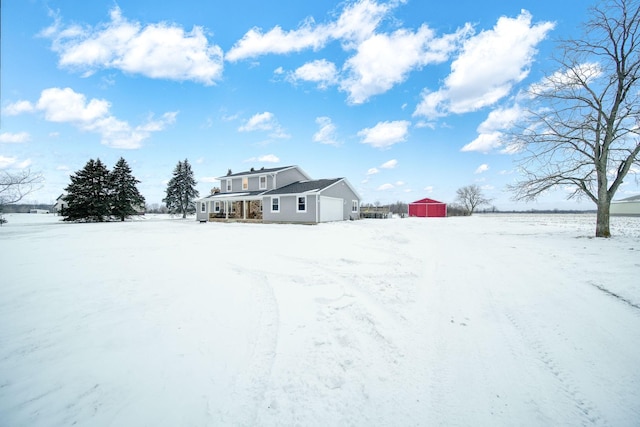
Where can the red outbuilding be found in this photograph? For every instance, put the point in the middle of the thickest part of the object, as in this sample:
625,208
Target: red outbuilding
428,208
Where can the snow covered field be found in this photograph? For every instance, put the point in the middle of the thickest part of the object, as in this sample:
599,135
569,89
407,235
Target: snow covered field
488,320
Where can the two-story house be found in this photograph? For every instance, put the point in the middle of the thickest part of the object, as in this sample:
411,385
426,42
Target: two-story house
284,194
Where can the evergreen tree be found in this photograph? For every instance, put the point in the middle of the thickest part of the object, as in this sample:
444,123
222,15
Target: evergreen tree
89,195
181,190
125,197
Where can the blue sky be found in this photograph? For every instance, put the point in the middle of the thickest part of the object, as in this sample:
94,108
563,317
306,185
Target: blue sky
400,97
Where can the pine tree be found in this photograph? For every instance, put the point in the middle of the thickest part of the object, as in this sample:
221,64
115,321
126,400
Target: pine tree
125,197
181,190
88,195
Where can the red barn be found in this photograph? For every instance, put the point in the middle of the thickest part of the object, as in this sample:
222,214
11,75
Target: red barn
428,208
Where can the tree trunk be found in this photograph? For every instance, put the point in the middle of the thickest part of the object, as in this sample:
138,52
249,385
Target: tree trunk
602,218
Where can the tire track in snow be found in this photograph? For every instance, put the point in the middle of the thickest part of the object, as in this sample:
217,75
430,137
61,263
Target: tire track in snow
345,353
586,410
250,387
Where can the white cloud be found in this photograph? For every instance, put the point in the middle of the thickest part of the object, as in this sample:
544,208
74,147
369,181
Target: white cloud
385,187
428,189
399,183
158,125
425,124
14,138
6,161
373,171
574,76
482,168
490,132
255,43
380,61
384,60
163,51
390,164
230,117
12,162
267,158
327,132
18,108
488,67
501,118
209,179
385,134
264,122
356,22
67,106
322,72
484,142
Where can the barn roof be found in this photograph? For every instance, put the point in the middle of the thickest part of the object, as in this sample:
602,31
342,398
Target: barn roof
426,201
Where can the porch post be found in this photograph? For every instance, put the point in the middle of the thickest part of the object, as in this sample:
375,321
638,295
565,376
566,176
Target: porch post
244,209
226,209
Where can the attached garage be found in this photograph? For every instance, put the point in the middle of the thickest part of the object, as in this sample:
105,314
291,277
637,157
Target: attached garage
427,208
331,209
629,206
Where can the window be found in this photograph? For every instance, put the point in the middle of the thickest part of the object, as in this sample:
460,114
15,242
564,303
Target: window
228,185
354,206
302,203
216,207
203,207
263,182
275,204
245,183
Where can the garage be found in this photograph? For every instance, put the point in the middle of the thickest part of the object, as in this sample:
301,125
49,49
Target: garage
629,206
331,209
427,208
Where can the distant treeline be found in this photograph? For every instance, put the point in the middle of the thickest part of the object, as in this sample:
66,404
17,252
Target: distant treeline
25,208
541,211
396,208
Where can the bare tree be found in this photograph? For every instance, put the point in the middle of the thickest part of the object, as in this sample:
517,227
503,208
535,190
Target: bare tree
582,126
471,197
14,186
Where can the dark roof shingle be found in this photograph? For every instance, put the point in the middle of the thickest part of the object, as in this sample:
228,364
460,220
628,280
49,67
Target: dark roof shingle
303,186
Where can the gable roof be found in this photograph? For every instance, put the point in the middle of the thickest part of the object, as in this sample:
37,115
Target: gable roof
426,201
629,199
262,171
310,186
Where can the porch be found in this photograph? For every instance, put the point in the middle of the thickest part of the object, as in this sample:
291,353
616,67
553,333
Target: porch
248,210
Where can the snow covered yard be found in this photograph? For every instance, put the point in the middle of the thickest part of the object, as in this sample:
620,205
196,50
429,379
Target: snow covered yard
487,320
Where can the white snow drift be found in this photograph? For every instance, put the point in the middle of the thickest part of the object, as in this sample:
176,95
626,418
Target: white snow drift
487,320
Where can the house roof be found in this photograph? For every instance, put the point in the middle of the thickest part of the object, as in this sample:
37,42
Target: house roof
425,201
630,199
310,186
261,171
246,195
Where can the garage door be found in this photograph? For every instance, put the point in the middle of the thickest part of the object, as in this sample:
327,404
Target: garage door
330,209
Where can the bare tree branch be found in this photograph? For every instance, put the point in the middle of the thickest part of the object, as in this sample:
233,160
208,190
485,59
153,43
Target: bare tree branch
471,197
14,186
582,130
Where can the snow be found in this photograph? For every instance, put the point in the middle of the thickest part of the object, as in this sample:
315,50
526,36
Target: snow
486,320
